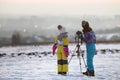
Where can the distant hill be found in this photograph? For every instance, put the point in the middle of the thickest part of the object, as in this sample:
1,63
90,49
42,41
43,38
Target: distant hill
111,35
106,31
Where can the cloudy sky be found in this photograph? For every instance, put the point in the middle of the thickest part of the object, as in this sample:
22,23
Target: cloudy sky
59,7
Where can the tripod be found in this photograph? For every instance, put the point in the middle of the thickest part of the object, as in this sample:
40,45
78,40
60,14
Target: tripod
79,55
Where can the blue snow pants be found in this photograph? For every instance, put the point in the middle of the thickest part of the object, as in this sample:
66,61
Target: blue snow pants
90,55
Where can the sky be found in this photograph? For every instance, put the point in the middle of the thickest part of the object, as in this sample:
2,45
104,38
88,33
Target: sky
59,7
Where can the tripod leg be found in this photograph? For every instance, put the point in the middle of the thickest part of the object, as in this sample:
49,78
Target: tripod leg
84,62
80,63
72,55
85,65
70,60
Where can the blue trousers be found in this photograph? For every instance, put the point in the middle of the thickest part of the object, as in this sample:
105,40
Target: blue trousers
90,55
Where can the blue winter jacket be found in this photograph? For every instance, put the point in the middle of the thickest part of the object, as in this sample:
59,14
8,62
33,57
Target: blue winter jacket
89,37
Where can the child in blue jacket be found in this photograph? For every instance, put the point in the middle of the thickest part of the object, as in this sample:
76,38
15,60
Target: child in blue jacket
90,40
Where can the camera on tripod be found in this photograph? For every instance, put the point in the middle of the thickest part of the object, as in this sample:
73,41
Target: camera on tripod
78,39
78,36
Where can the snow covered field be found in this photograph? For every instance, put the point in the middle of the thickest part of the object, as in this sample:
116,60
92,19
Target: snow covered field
36,63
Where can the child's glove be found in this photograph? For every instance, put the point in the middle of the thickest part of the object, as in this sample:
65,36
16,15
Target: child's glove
54,49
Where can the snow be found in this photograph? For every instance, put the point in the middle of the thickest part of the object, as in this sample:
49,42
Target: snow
44,67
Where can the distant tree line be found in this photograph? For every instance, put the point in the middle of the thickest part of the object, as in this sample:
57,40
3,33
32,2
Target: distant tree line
16,38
